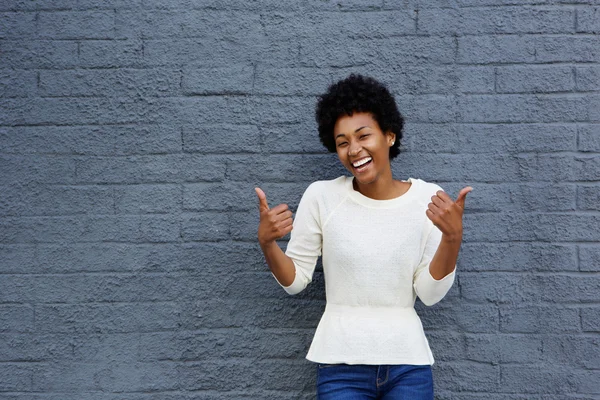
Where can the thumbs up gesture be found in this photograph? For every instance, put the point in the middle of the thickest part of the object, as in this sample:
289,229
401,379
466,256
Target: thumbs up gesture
446,213
275,222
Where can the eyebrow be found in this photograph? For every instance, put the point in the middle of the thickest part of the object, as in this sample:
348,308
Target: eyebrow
341,134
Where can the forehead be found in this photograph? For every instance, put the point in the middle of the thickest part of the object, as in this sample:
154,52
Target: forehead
347,124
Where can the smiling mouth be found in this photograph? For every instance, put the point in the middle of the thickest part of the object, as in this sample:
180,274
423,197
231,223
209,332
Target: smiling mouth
362,164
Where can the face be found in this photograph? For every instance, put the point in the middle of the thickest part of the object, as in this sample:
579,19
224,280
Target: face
362,147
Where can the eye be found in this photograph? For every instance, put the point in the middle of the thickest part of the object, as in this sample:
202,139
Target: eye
365,135
342,144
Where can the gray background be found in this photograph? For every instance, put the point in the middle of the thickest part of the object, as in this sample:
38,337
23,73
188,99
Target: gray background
133,132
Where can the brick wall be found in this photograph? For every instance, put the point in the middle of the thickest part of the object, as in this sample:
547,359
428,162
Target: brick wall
132,134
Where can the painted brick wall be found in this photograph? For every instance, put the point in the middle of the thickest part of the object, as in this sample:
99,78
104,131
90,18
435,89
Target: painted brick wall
133,132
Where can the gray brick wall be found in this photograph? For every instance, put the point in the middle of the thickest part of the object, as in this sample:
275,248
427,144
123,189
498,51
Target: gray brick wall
133,132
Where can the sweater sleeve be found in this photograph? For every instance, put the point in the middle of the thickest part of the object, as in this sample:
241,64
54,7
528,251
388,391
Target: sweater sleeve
304,247
429,289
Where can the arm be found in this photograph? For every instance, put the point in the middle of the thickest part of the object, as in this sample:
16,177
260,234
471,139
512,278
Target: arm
442,247
293,269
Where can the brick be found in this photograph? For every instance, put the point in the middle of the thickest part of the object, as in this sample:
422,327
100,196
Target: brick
213,53
572,350
109,83
432,108
149,199
480,257
283,313
460,317
339,25
411,50
565,289
17,25
509,20
218,197
211,25
108,4
57,200
91,348
588,198
587,168
18,54
468,376
23,170
106,318
111,53
521,198
544,79
15,377
91,257
83,111
455,167
587,78
567,49
16,318
290,374
588,382
210,344
283,168
538,319
534,378
18,83
490,138
96,377
40,289
587,20
523,108
498,288
77,25
91,140
547,167
500,349
288,138
589,137
590,319
291,81
589,258
89,229
150,169
567,227
233,80
207,226
222,138
495,49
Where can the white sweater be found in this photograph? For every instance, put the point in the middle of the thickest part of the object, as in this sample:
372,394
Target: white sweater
376,256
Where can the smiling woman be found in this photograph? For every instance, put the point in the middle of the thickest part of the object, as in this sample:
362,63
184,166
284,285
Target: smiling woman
383,241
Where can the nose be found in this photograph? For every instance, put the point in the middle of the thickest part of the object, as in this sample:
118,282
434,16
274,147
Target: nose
354,149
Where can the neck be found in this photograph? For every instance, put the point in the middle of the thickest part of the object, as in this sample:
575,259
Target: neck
382,188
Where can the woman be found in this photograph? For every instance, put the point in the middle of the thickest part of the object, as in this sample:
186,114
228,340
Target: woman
383,242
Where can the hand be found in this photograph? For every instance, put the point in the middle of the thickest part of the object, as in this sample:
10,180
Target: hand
446,213
274,223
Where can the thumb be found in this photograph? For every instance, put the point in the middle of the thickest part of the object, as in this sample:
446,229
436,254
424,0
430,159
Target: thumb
262,200
462,195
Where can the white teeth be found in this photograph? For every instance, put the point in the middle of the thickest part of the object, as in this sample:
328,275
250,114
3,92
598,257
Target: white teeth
361,162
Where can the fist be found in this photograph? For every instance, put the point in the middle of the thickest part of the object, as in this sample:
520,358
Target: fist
275,222
446,213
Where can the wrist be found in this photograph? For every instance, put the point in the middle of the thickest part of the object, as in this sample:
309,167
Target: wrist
452,239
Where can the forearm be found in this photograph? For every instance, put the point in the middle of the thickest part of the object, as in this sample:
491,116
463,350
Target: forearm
280,265
444,260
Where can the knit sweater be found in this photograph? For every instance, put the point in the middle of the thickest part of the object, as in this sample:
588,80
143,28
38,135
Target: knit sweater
376,256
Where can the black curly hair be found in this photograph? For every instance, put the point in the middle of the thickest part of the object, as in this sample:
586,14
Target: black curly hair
358,93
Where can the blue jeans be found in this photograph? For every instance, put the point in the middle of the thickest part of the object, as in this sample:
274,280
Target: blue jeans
384,382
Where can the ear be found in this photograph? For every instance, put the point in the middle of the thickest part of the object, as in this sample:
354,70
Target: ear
391,138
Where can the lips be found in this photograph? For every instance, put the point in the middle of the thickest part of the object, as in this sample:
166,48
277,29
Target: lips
362,164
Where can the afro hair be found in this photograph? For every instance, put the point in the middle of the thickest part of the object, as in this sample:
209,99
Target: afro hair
357,94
